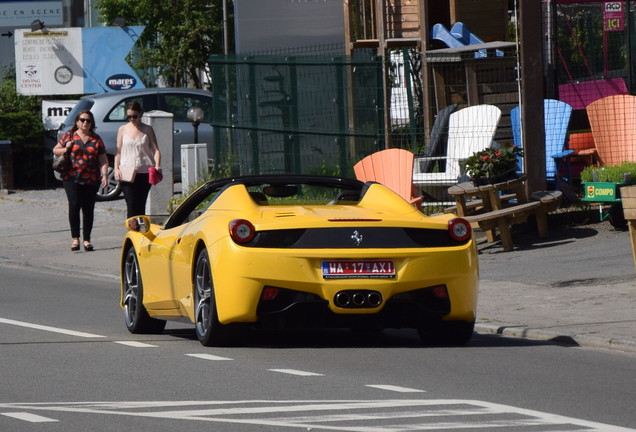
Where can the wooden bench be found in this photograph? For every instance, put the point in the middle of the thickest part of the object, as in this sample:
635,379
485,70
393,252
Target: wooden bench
476,205
550,199
502,219
498,206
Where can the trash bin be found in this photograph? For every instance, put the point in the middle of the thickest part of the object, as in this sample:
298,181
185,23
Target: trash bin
6,169
628,195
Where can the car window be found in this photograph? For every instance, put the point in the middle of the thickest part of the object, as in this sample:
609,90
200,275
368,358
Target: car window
118,112
179,104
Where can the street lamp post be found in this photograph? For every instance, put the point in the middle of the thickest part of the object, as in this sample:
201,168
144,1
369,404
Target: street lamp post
195,115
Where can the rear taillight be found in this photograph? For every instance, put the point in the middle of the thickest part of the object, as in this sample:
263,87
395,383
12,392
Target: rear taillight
242,231
270,293
459,229
440,291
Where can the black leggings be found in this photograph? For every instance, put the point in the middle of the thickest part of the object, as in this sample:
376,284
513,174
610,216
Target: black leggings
136,194
81,197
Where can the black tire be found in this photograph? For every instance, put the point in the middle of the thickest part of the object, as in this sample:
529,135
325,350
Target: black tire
447,333
616,217
136,317
210,331
112,190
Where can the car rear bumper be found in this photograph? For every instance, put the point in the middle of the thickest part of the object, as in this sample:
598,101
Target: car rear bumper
238,291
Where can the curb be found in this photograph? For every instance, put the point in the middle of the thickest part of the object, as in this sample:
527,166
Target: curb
55,269
572,339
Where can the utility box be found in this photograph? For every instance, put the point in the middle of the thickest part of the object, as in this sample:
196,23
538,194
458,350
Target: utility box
194,165
163,124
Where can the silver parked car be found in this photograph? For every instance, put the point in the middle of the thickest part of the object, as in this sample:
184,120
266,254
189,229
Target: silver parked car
109,110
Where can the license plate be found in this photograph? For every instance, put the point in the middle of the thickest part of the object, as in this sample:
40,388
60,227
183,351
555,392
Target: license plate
358,269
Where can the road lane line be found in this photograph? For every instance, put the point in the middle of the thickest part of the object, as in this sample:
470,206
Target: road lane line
296,372
208,357
395,388
49,329
32,418
136,344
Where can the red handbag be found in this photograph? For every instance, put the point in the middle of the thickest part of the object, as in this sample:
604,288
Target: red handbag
154,176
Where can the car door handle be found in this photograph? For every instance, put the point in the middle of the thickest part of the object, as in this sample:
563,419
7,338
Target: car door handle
176,131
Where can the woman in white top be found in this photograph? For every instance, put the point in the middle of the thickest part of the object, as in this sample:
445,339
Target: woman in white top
137,150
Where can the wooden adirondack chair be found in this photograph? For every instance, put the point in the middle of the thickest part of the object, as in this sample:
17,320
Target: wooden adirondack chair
556,116
470,130
613,123
392,168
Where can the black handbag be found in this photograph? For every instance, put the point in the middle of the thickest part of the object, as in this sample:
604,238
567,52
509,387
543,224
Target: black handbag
61,163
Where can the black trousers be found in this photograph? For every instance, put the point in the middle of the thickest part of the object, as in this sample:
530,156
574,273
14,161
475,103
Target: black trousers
136,194
81,198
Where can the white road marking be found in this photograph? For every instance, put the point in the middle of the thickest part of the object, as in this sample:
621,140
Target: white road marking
49,329
33,418
208,357
337,415
136,344
295,372
395,388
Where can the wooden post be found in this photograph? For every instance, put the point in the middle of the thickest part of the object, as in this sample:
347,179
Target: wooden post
628,197
532,91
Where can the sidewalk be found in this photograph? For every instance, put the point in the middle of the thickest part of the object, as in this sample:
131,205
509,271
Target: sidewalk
576,287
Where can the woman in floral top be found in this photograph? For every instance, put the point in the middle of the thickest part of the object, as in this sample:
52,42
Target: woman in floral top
89,171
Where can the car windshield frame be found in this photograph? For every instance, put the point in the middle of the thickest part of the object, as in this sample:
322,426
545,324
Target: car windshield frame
264,184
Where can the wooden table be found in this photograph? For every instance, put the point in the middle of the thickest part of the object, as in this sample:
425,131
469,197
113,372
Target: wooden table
500,205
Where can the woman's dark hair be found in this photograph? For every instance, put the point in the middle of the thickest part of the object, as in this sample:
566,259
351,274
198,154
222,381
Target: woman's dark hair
133,105
79,114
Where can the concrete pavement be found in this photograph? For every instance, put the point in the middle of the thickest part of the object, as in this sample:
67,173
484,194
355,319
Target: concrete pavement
578,286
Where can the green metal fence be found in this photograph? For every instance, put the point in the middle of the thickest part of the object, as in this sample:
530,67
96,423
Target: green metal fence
295,114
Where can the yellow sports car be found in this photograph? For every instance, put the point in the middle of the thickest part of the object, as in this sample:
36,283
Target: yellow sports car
300,251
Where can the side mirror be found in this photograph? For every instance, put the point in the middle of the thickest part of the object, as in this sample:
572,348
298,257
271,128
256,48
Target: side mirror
138,224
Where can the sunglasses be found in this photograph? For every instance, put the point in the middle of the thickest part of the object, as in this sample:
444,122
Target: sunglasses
132,116
84,120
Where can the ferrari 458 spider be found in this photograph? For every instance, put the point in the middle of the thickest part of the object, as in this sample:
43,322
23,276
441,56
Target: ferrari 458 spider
300,251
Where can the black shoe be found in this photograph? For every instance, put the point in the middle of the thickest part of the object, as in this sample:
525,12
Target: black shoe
75,246
88,247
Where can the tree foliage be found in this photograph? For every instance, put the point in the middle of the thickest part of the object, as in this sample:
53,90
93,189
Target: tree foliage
20,116
21,123
179,36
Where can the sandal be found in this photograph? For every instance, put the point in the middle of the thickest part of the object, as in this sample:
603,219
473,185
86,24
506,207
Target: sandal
75,245
88,246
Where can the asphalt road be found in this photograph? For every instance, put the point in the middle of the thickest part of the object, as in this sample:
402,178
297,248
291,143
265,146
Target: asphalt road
70,365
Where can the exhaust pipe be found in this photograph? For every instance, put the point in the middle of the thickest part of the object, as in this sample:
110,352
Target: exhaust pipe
343,299
358,299
374,299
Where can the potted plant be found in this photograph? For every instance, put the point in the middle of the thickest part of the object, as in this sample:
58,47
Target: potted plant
494,164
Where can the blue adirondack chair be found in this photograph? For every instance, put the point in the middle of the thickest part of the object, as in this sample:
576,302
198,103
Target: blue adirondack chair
459,36
556,116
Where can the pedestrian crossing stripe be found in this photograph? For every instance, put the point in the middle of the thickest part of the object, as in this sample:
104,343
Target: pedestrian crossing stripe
330,415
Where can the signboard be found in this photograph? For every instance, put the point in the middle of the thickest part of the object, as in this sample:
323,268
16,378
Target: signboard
613,16
67,61
54,112
21,13
49,62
